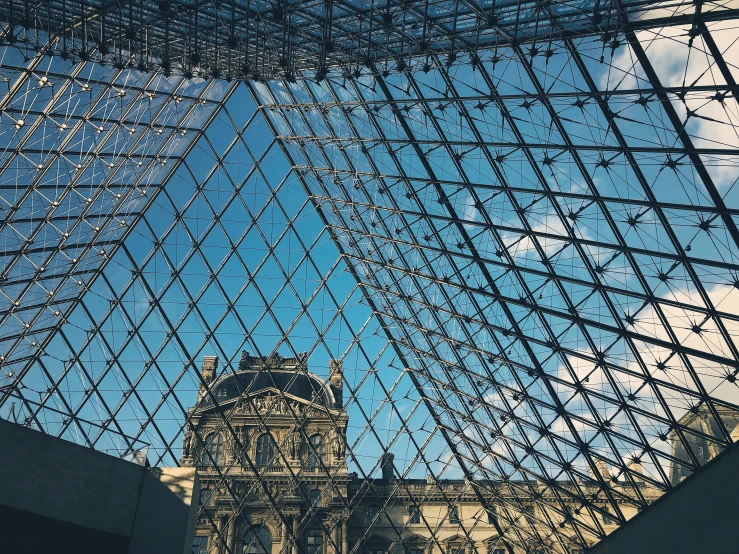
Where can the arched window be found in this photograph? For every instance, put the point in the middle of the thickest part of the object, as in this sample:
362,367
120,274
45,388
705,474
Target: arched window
214,446
316,452
258,540
265,450
206,497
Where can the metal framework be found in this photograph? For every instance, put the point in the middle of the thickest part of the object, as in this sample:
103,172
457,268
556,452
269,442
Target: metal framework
514,222
267,39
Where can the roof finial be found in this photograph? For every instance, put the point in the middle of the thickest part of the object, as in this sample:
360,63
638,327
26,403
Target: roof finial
243,361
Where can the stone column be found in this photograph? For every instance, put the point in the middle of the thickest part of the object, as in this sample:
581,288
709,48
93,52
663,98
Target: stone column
295,534
335,538
344,538
283,542
219,540
230,536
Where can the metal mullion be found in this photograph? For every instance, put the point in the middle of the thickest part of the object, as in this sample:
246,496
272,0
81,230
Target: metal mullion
353,271
73,413
458,456
130,227
571,352
569,316
419,288
42,117
482,502
67,188
50,393
30,279
183,348
546,235
445,362
340,311
430,101
545,258
656,207
534,191
615,230
718,58
523,367
22,252
423,395
132,388
399,116
631,334
574,148
536,272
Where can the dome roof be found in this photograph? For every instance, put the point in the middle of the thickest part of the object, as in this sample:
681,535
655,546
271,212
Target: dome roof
256,374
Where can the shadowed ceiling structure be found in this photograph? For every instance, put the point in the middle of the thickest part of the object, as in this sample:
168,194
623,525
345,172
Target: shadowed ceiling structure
514,223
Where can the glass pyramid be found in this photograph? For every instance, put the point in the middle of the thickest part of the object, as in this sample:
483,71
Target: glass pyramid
513,225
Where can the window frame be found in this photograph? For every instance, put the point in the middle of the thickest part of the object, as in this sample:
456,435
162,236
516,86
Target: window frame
263,543
414,514
316,458
265,451
201,547
206,501
211,457
314,543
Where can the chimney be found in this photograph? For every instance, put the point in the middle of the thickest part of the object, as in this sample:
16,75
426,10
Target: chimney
207,371
388,467
602,468
336,381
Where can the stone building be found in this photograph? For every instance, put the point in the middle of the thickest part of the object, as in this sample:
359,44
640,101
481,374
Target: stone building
702,431
284,486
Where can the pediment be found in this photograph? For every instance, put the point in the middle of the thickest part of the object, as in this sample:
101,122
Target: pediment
268,400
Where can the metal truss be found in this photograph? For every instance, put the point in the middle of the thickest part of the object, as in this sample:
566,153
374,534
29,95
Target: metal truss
267,39
514,220
514,223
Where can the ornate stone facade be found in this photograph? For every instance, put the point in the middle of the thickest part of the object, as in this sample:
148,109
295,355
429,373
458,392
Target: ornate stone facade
272,461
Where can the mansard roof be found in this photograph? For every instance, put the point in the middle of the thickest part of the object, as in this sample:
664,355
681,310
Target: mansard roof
256,374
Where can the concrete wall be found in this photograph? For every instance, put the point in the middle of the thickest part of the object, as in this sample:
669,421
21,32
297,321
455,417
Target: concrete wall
96,500
699,516
167,509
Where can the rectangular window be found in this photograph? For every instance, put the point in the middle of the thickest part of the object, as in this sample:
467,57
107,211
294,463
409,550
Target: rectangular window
372,512
200,545
315,542
416,551
456,548
498,551
414,515
453,514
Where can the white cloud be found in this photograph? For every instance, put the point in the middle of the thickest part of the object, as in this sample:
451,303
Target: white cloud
678,65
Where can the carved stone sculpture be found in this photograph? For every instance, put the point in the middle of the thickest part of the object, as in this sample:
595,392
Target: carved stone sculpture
187,443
